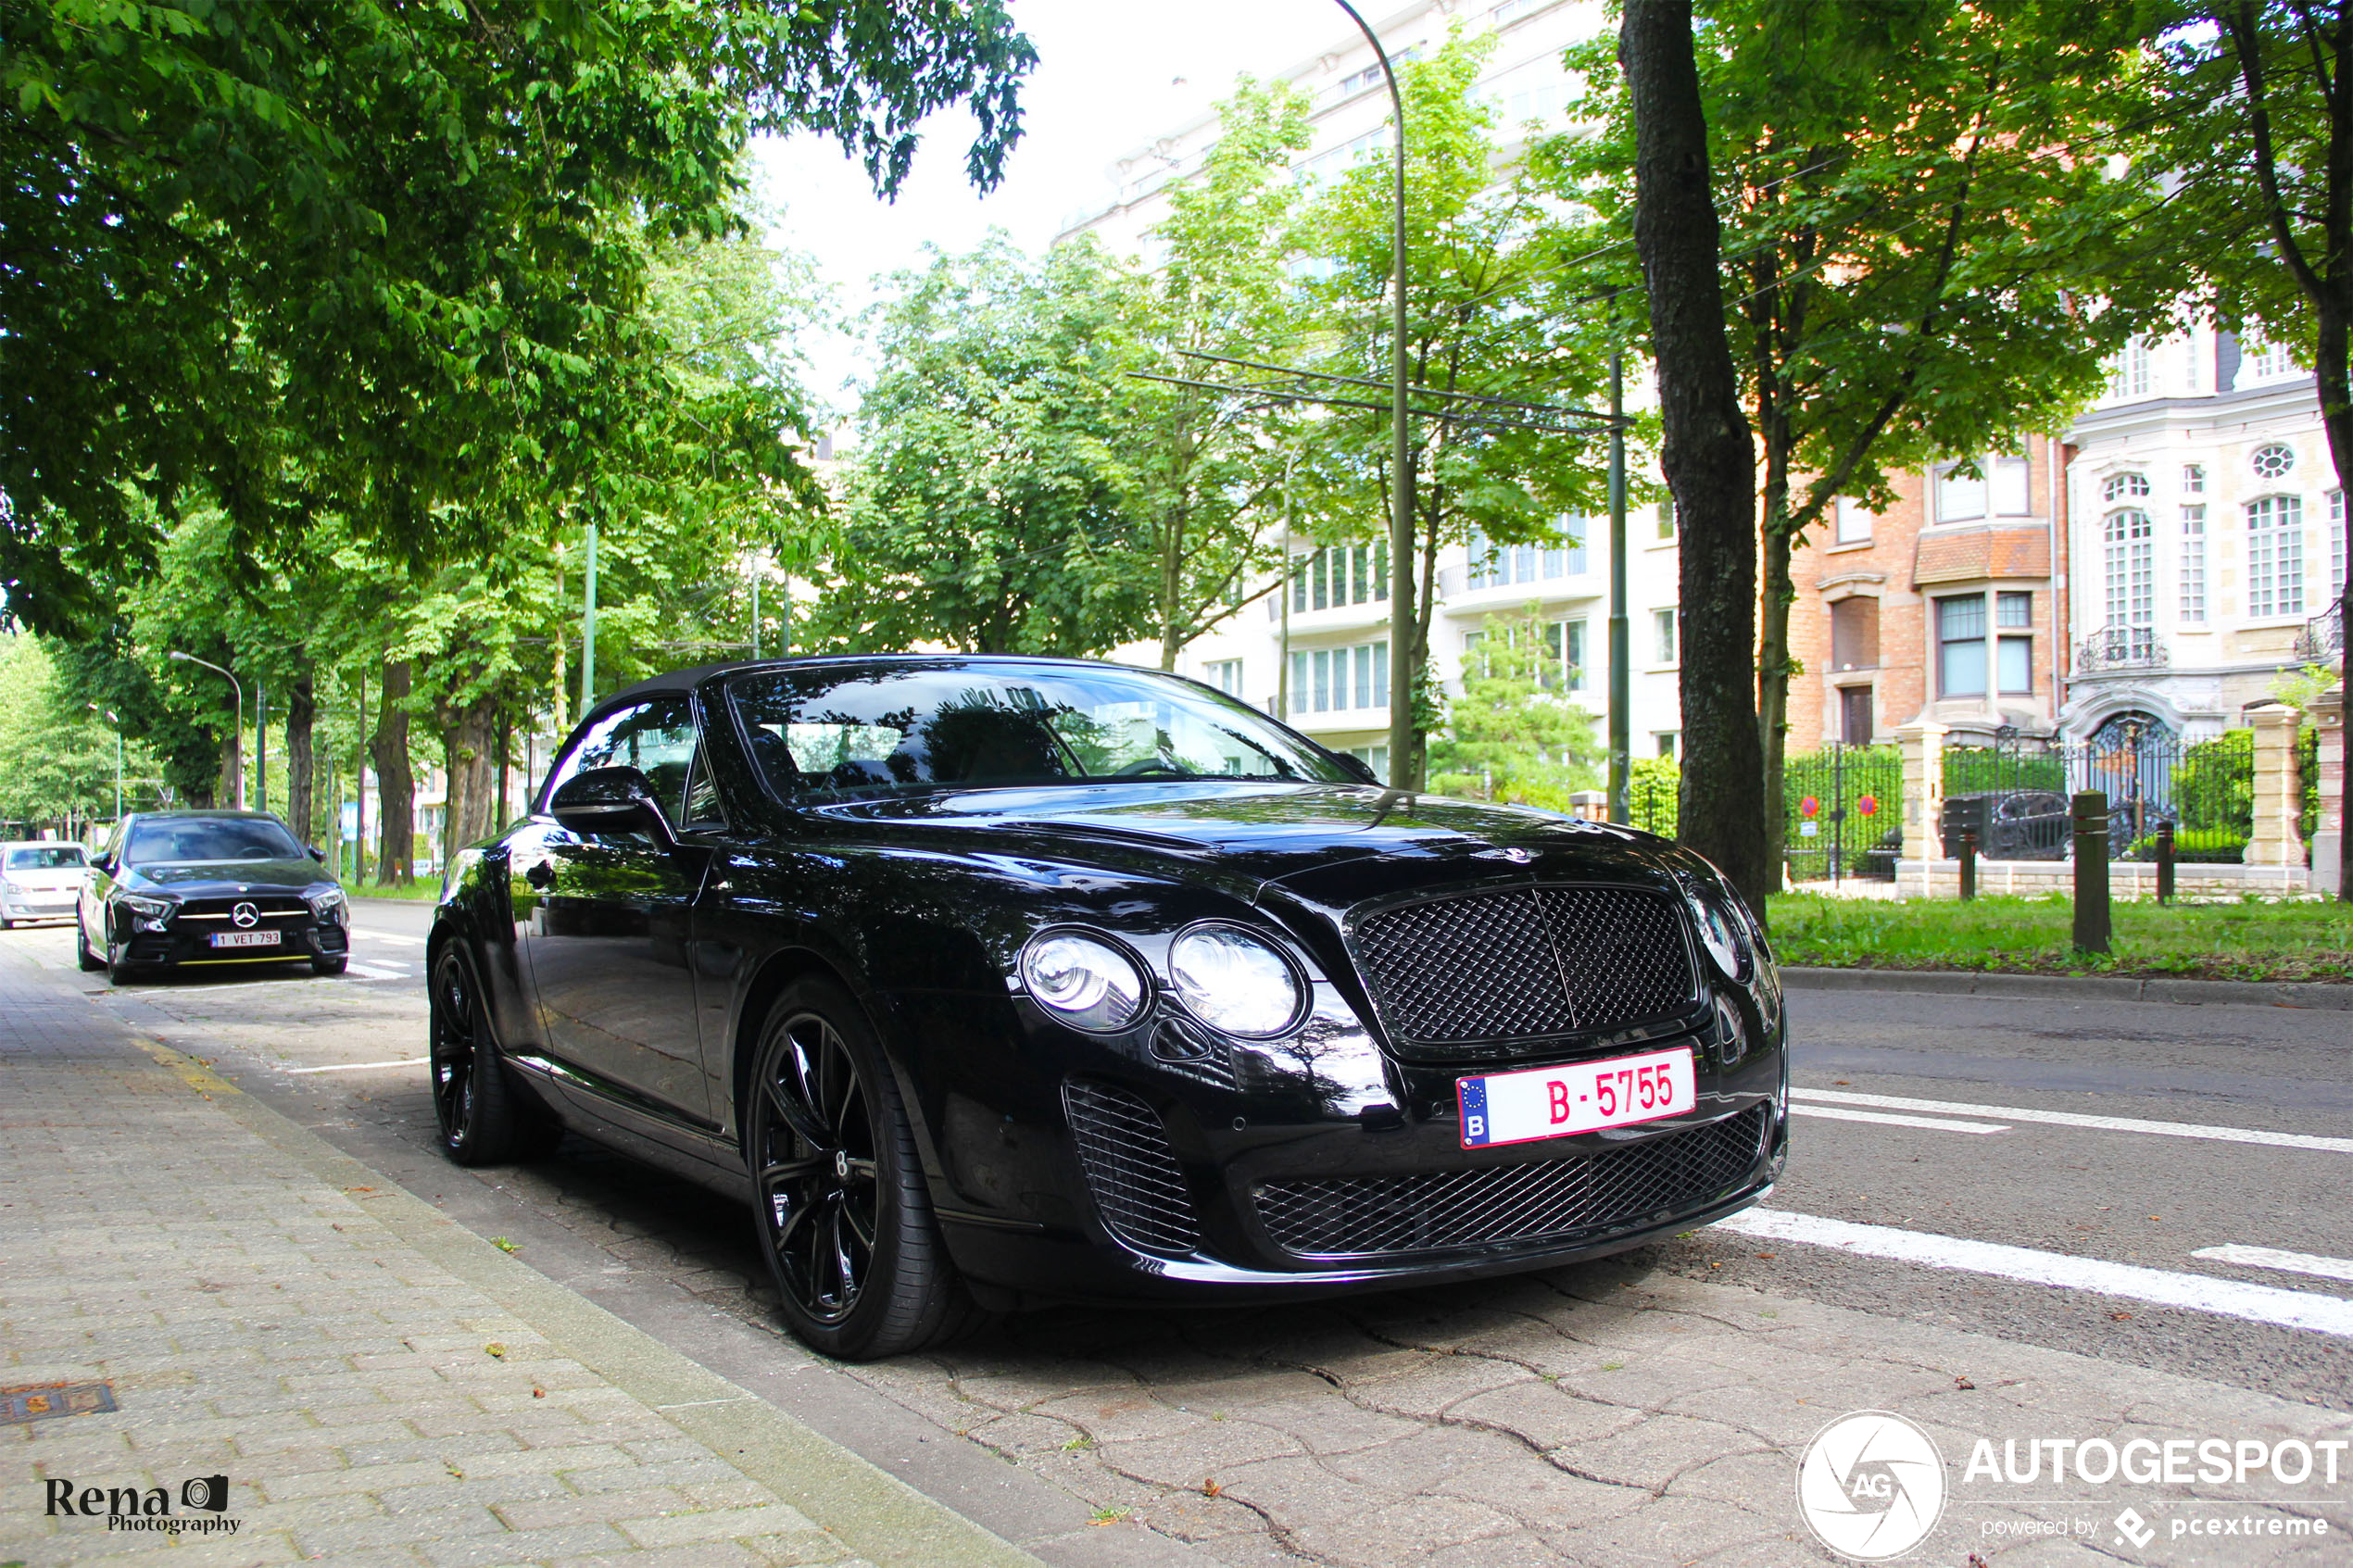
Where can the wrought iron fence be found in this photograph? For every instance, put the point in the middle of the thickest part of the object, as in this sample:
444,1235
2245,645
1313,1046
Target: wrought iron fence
2321,640
1842,813
2015,795
2123,648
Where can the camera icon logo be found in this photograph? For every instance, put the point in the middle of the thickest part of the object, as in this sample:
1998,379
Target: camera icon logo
209,1493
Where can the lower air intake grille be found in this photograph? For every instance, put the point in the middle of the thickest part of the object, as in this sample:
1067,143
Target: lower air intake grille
1526,962
1131,1169
1352,1216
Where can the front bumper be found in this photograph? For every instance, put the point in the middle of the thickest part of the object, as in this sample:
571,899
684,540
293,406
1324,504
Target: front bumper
35,907
299,941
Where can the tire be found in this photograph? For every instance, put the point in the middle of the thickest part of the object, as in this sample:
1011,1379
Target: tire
91,962
840,1206
479,1117
329,966
120,973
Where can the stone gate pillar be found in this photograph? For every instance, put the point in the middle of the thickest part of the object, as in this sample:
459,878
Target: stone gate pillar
1923,746
2278,787
2327,716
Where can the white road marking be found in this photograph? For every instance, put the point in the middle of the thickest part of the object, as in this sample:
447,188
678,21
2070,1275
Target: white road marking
2074,1119
388,936
1885,1119
381,971
2197,1293
2272,1258
359,1066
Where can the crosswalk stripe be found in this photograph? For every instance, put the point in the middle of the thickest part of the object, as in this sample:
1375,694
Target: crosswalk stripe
1939,1123
2077,1119
2272,1258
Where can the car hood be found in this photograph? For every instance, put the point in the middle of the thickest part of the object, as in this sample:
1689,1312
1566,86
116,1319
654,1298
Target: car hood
220,879
1329,843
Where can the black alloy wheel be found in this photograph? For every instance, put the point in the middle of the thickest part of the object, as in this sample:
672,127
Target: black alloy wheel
843,1214
480,1118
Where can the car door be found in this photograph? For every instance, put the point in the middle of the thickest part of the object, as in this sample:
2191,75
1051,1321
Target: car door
606,925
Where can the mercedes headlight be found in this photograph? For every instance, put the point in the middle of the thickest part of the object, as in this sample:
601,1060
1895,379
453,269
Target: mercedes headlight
150,908
1232,981
1723,930
1089,983
327,905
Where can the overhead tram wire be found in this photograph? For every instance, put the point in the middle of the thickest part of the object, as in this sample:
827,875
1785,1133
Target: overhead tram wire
1485,412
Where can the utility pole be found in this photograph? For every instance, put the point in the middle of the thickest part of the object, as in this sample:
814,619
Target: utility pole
1400,491
755,609
112,719
238,687
1622,681
261,745
588,631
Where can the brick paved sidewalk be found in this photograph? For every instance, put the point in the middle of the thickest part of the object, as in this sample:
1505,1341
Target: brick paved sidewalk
209,1290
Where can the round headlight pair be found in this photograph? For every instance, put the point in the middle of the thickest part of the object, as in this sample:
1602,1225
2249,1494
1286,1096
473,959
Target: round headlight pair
1224,976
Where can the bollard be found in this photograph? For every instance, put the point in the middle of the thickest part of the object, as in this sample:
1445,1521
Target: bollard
1969,865
2091,872
2164,862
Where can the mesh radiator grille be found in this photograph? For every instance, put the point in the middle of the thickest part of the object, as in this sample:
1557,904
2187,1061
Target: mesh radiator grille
1523,963
1357,1215
1131,1169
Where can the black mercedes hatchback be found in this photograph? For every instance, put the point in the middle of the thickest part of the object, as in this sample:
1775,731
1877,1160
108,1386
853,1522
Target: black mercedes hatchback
206,888
990,981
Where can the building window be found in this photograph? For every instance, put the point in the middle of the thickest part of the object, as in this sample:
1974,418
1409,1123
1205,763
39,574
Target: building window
2275,556
1853,524
1855,715
2014,644
2124,487
1574,563
1662,636
1666,518
1497,566
1960,646
2129,558
2128,373
1225,674
1565,650
2274,461
1665,739
1960,494
1855,634
2192,478
2336,546
1333,679
2269,362
1339,574
2013,487
2193,564
1373,757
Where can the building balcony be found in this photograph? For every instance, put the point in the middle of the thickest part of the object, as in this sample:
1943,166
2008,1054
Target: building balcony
2323,639
2121,647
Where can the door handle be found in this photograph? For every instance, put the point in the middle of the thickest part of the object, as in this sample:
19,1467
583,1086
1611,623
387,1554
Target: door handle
540,874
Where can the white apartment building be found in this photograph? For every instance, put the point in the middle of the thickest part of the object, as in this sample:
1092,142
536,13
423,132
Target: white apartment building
2208,536
1318,650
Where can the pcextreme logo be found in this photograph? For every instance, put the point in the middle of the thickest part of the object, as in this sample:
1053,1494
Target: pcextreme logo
1872,1486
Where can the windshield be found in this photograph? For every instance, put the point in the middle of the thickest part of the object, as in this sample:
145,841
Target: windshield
844,732
47,858
176,840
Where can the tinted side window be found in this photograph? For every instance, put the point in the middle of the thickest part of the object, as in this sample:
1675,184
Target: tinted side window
703,810
656,737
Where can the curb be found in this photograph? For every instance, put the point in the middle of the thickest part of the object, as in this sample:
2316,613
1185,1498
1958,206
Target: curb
2077,987
881,1518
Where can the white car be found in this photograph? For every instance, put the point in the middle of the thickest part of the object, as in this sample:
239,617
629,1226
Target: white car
40,881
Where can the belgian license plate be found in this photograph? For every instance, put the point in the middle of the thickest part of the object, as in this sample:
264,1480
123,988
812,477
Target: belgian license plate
244,938
1553,1102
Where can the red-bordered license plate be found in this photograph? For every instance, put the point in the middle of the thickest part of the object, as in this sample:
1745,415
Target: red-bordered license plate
1553,1102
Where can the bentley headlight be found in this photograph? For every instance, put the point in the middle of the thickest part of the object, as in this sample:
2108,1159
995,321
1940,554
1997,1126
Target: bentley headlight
1089,983
1722,930
328,905
1232,981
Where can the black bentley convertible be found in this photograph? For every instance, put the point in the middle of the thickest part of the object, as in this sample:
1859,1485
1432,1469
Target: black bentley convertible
996,980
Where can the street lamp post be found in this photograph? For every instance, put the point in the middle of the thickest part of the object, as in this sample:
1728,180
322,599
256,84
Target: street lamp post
239,688
1400,491
112,719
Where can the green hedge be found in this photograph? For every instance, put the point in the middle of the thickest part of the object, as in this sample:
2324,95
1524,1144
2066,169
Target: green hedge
2207,846
2214,783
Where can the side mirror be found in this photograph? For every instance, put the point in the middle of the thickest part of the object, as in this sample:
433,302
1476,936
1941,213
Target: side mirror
1354,767
103,865
612,800
317,854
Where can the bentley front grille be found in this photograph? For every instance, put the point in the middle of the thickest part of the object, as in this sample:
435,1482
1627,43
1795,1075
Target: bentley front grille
1131,1169
1356,1216
1526,964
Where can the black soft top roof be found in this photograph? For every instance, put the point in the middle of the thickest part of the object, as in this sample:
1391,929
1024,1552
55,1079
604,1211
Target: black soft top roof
687,679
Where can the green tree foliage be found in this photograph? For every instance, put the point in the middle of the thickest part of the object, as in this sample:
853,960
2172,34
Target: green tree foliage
1919,210
388,262
56,757
1512,736
1210,475
1489,315
989,506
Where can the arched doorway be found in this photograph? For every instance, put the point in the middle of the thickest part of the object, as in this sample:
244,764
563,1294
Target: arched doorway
2131,756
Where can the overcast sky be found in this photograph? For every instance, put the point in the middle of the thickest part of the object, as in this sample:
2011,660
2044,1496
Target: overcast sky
1111,74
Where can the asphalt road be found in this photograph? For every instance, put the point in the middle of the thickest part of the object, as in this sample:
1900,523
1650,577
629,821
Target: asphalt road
1924,1131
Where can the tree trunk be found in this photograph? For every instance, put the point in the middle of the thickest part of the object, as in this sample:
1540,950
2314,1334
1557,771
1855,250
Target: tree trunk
470,746
233,764
2336,417
301,764
396,785
1774,668
1706,449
